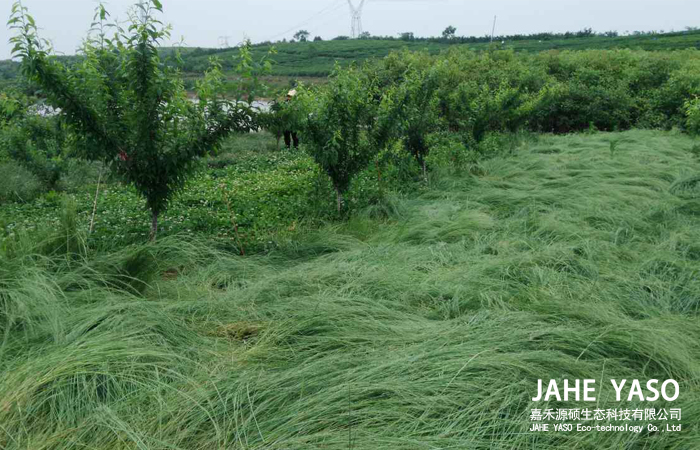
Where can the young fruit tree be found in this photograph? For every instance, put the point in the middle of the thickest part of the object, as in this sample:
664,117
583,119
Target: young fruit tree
128,108
345,124
251,72
419,114
280,117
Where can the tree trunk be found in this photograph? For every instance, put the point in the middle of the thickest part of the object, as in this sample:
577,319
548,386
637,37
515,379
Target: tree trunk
94,205
279,138
154,225
425,170
379,177
339,199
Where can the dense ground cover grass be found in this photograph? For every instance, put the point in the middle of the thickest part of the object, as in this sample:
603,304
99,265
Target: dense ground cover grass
249,183
426,328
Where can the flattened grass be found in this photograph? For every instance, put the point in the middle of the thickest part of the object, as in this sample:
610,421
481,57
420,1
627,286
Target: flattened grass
427,329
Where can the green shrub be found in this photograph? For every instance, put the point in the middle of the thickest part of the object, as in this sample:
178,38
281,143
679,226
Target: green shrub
448,150
67,240
40,144
17,183
692,112
77,174
681,86
12,107
483,92
562,107
561,92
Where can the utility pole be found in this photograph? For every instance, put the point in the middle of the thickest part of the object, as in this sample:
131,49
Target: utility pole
356,18
493,30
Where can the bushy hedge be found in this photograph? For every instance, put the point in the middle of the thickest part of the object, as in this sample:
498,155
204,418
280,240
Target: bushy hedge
556,91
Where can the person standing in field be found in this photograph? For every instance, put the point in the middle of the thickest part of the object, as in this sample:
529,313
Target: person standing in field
290,135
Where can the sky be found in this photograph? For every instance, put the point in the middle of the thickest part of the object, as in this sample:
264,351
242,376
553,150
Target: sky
202,23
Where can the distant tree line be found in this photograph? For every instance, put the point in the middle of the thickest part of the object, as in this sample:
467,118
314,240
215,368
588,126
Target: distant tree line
449,35
8,70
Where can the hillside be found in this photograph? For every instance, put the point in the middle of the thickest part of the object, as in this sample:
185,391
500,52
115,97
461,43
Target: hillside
425,327
317,59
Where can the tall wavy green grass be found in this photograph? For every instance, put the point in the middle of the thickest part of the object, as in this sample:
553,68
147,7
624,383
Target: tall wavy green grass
426,326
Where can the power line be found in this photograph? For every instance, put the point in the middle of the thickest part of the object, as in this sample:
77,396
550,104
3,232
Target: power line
329,20
328,9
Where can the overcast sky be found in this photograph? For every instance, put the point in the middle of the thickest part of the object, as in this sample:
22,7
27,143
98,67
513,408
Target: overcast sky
202,22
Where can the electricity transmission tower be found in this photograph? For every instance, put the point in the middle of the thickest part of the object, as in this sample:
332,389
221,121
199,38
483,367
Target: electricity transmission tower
223,42
356,18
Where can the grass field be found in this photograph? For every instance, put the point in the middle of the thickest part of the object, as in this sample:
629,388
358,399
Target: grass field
424,327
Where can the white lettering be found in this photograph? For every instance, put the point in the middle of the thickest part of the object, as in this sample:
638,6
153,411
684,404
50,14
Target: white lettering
651,388
587,389
552,390
618,389
539,392
676,390
573,390
635,390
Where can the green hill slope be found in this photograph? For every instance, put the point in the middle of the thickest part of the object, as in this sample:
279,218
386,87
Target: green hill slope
317,59
309,59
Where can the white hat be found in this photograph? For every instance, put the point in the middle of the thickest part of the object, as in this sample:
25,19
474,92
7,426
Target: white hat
292,93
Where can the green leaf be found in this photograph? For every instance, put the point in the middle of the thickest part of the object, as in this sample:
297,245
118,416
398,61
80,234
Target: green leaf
17,48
